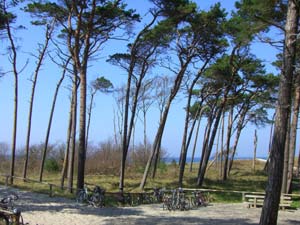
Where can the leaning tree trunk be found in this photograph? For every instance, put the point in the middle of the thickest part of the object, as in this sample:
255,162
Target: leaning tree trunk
158,137
51,118
89,118
207,132
222,145
34,81
271,204
239,128
15,122
73,134
185,142
228,138
270,143
293,133
208,149
195,143
125,132
156,144
67,151
254,151
286,156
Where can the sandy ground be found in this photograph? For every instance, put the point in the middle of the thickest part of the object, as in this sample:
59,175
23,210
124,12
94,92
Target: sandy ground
39,209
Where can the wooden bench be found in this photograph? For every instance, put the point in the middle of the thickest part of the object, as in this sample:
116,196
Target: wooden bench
256,200
285,202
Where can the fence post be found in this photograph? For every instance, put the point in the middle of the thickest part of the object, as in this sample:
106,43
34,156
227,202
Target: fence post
6,180
50,186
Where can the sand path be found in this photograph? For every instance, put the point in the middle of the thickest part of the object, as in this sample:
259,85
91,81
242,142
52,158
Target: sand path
39,209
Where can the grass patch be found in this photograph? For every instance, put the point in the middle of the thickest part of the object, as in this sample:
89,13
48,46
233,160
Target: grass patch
241,179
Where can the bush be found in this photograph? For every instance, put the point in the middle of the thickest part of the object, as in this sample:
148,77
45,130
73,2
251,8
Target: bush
51,165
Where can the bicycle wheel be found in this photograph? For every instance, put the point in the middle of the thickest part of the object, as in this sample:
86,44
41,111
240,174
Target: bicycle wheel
81,196
9,199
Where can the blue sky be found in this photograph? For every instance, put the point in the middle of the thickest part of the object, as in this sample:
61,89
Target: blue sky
102,121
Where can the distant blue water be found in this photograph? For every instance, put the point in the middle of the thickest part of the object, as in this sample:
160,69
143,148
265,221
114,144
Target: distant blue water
197,159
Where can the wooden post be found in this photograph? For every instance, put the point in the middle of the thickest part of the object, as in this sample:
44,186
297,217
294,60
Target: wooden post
50,187
6,180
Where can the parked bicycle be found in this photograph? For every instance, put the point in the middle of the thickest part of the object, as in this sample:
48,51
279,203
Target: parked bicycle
198,199
125,199
9,214
95,198
158,194
145,198
176,201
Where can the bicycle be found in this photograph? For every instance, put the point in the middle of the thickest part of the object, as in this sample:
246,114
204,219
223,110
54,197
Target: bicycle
125,198
158,194
198,199
177,200
96,198
8,213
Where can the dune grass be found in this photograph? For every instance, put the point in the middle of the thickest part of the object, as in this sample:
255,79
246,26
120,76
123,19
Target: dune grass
242,179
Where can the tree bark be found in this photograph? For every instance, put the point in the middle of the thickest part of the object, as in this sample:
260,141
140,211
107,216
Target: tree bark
293,134
82,132
228,138
286,156
254,151
34,81
240,126
67,151
271,204
208,149
222,145
185,139
89,112
16,84
73,133
195,143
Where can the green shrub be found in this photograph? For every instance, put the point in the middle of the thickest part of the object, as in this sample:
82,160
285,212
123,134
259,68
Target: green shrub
51,165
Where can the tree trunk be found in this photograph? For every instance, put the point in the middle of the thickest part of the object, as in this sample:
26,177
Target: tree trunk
217,149
125,130
271,204
73,134
270,143
89,119
254,151
293,134
237,137
202,169
205,141
82,132
67,151
228,138
195,143
159,134
16,83
34,81
156,144
185,142
51,117
286,157
222,146
65,168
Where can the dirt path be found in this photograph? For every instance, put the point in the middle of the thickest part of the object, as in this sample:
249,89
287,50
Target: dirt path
39,209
